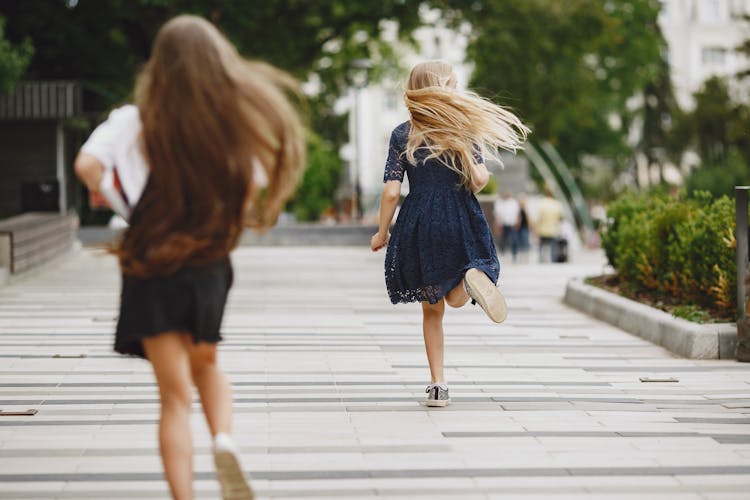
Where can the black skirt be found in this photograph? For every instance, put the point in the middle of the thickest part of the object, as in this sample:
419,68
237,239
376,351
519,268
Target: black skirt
191,300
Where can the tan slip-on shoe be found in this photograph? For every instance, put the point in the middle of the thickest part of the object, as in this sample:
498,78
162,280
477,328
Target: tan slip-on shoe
486,294
234,485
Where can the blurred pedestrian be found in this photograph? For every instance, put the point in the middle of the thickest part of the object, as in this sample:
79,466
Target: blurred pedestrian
549,217
522,232
441,249
507,212
208,130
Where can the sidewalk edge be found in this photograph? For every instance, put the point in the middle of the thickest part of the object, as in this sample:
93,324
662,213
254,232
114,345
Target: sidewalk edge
682,337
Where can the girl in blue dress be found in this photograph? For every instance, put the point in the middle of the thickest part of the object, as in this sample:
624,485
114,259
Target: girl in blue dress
440,248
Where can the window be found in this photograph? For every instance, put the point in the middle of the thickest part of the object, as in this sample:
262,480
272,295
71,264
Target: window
711,11
713,55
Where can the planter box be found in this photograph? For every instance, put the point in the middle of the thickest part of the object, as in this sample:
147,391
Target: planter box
682,337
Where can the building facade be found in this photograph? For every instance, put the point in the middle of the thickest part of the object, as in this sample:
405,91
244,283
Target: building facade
702,36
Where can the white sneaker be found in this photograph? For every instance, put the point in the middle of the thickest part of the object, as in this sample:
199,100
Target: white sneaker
486,294
234,485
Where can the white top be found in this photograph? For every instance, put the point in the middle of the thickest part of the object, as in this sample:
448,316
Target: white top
507,211
116,144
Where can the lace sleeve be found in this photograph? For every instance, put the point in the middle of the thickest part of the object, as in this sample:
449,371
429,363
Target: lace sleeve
395,164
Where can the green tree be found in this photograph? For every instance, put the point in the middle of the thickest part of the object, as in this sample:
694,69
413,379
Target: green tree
13,59
712,120
717,129
317,190
659,108
568,68
104,42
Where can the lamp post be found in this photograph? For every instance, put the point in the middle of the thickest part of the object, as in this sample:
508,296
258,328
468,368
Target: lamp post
360,73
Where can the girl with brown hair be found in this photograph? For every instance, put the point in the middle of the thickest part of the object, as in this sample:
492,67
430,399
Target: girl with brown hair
441,249
208,131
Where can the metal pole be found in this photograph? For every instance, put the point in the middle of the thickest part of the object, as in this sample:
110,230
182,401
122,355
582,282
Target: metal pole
357,154
60,168
743,279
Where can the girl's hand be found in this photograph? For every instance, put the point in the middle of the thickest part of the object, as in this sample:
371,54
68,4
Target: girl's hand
378,241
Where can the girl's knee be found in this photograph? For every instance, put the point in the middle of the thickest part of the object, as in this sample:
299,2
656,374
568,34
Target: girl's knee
202,357
456,301
176,396
436,310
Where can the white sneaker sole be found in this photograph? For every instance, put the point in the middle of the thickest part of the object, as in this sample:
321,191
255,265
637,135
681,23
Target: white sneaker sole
437,402
486,294
234,485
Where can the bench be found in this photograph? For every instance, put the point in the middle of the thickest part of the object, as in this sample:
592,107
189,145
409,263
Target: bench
31,239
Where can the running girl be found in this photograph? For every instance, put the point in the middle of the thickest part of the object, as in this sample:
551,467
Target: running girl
441,249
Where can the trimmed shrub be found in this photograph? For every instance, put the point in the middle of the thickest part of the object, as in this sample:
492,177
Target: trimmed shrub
317,191
683,249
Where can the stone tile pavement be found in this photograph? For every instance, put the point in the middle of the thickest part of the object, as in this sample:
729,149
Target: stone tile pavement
329,379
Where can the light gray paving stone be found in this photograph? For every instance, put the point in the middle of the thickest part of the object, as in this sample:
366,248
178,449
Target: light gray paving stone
328,380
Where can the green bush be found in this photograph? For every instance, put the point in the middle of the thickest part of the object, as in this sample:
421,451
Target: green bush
684,249
317,191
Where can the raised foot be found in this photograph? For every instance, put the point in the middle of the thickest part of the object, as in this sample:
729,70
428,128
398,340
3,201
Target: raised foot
486,294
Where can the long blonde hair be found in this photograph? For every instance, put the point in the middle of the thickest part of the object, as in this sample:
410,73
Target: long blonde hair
452,125
208,115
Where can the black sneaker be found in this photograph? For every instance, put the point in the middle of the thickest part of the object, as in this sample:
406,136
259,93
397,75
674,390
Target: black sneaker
437,395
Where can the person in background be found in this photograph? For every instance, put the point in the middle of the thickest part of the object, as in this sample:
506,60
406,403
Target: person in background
507,212
547,226
522,232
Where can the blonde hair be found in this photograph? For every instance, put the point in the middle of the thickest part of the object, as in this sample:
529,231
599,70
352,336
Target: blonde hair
452,125
208,114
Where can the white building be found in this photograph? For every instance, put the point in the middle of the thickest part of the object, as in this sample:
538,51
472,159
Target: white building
702,36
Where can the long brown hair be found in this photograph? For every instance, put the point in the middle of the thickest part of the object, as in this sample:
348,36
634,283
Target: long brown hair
208,115
453,125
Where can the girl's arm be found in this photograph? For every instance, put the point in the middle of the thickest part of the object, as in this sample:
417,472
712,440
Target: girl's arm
480,176
388,202
90,170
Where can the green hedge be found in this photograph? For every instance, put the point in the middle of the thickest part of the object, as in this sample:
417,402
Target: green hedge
317,190
684,249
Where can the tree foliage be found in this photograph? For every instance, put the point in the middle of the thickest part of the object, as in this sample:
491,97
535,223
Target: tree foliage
568,68
13,59
103,42
717,129
317,191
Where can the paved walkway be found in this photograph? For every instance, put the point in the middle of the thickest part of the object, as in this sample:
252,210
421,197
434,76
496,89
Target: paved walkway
329,378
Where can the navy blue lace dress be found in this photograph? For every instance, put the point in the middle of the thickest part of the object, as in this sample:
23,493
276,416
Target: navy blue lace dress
440,231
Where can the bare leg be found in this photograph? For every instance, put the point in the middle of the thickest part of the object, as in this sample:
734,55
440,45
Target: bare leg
213,387
168,354
216,399
432,328
458,297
